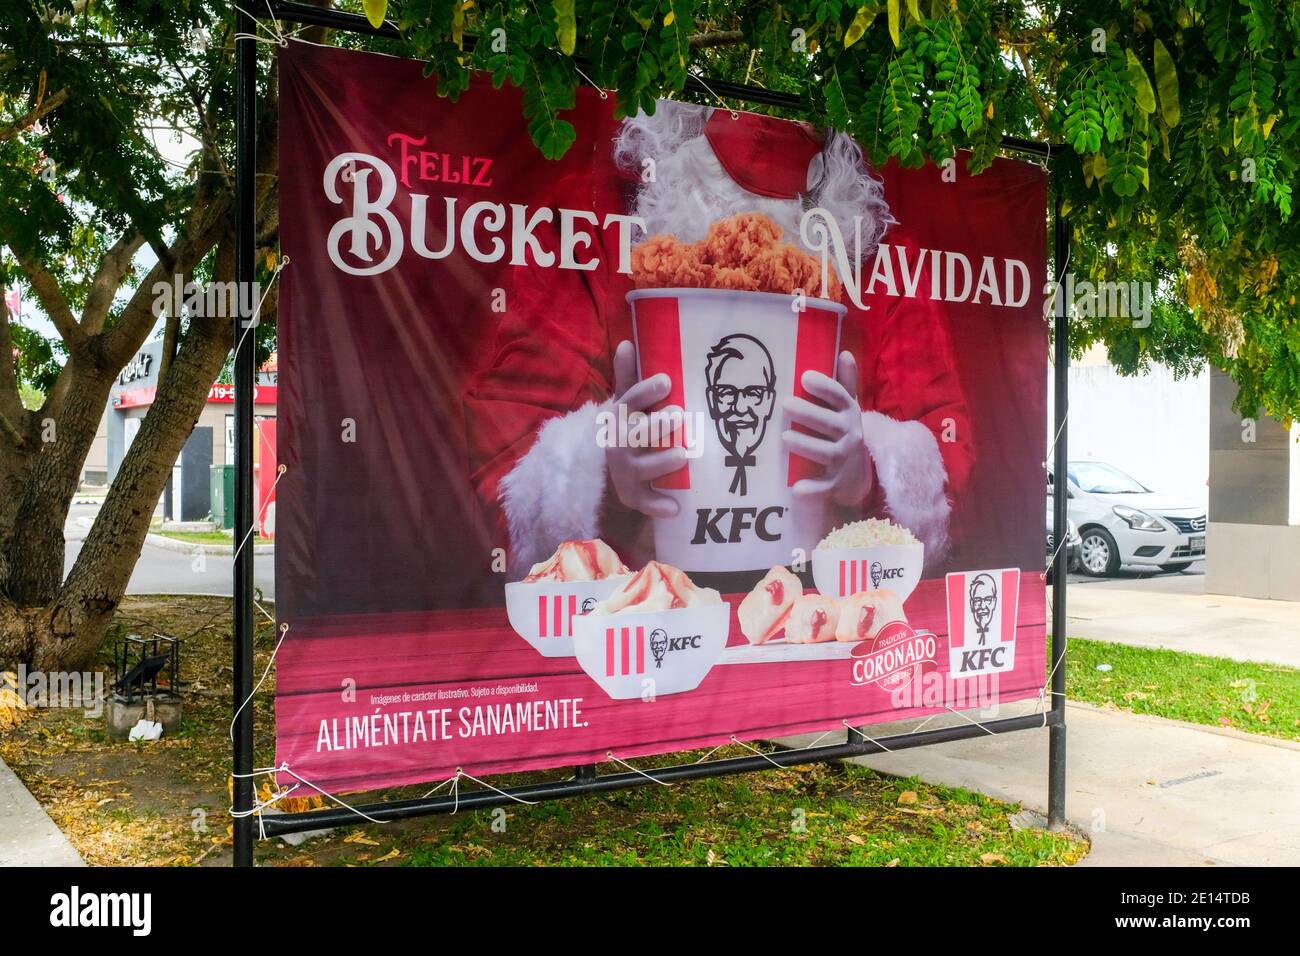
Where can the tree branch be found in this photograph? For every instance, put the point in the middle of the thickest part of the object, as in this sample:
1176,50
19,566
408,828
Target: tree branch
138,318
32,116
108,277
52,301
1044,113
11,403
712,38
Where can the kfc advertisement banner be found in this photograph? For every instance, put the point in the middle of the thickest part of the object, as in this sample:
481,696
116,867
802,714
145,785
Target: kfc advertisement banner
706,429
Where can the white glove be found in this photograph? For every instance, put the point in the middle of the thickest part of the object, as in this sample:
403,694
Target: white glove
837,441
633,469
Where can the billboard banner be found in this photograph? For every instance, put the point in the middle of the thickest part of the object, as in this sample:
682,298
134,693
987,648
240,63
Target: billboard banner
707,429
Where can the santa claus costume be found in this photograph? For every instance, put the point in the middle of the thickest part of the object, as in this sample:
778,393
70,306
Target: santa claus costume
531,416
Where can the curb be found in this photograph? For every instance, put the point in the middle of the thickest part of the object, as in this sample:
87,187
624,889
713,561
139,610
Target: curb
186,547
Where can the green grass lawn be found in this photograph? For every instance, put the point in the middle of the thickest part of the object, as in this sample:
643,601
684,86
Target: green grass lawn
1254,697
208,537
811,816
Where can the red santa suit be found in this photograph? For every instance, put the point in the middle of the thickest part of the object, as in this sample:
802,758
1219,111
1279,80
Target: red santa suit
531,414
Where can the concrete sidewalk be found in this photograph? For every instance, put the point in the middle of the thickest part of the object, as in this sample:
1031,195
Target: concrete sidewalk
28,837
1148,792
1180,616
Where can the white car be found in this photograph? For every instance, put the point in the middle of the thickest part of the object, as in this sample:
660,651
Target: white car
1124,523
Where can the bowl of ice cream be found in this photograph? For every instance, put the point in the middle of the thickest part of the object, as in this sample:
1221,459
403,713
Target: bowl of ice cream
543,607
734,322
656,634
868,555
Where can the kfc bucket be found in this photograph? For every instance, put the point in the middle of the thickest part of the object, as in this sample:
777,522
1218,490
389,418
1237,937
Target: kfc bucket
734,357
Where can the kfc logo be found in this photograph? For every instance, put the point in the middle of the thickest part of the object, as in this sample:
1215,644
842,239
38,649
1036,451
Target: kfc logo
982,607
876,572
661,644
741,393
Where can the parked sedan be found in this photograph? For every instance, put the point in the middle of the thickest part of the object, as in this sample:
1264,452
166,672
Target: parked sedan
1073,543
1123,522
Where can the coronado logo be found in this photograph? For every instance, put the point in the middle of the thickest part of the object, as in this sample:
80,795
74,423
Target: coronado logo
74,908
894,658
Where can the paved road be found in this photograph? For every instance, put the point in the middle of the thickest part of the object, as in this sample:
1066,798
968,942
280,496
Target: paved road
1147,791
161,571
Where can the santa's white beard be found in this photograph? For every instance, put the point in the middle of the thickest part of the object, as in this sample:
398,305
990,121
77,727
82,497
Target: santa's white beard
691,191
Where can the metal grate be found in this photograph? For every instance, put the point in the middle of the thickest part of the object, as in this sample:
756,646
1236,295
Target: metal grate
1187,525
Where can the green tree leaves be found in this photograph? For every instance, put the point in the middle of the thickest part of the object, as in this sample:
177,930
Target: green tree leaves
1143,93
1167,84
566,21
1177,118
376,10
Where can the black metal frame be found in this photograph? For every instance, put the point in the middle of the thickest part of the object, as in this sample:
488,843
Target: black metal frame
585,779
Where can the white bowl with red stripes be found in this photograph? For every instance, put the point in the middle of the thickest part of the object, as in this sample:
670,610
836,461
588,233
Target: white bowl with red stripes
543,612
648,654
839,572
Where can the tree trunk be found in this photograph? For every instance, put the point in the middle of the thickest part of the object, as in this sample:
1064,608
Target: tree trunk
63,631
35,547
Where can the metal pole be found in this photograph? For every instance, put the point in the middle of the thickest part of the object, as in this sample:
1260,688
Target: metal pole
1060,501
245,367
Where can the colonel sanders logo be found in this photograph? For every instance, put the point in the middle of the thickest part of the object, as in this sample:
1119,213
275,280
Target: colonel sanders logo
877,572
983,601
658,645
741,392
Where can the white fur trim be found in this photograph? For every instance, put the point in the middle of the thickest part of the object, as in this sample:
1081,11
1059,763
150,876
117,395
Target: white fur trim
691,191
555,491
912,476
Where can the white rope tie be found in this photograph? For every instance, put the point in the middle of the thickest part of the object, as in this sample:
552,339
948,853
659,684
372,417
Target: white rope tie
755,750
284,768
258,807
721,102
257,312
277,37
609,755
483,783
279,473
269,616
1059,546
710,753
865,737
918,727
590,82
818,740
971,720
284,632
450,780
1050,448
